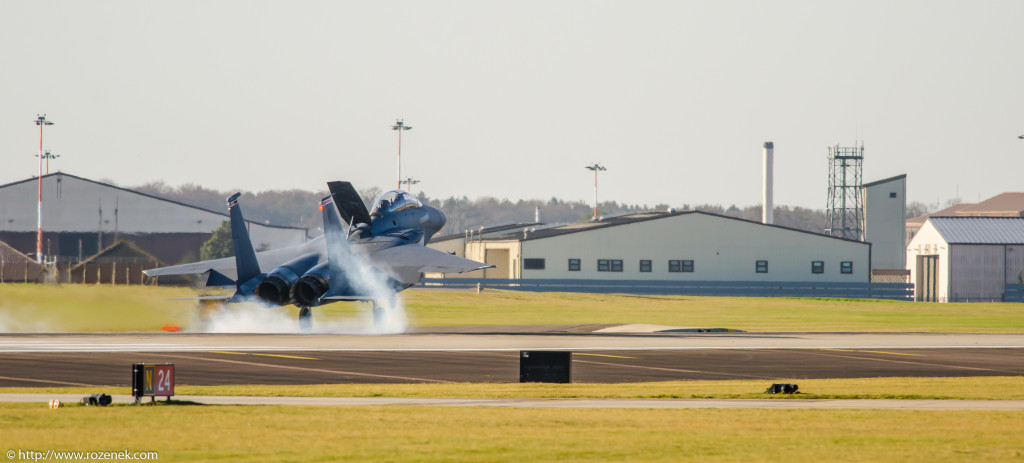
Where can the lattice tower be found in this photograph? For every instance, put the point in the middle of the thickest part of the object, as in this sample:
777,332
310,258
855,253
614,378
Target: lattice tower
845,209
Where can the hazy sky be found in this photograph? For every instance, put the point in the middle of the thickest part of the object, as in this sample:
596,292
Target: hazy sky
513,99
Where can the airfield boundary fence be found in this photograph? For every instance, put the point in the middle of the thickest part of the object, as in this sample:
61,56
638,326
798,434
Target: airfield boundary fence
1014,293
891,291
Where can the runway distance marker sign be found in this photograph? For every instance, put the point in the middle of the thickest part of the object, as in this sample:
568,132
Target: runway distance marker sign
152,380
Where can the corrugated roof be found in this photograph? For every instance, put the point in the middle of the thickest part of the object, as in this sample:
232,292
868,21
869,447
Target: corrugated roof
517,226
980,230
586,225
60,174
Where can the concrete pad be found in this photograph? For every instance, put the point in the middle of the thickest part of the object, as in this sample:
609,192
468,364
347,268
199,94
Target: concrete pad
637,328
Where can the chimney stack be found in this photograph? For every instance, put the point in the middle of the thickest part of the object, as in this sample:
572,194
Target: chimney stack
767,205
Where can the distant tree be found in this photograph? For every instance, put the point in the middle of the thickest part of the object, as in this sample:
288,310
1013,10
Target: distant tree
297,208
917,208
219,245
369,195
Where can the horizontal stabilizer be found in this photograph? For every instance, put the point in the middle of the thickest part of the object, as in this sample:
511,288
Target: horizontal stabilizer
218,279
193,268
350,205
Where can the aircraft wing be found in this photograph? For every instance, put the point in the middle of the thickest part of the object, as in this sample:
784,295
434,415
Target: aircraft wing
426,260
226,266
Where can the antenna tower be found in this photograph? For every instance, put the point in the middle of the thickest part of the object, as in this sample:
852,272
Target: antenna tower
845,208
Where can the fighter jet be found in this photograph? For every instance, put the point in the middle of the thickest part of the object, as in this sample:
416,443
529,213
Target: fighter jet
362,256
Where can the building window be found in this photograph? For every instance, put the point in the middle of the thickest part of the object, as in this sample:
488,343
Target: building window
533,264
645,266
818,266
680,266
846,267
892,194
609,265
574,265
762,266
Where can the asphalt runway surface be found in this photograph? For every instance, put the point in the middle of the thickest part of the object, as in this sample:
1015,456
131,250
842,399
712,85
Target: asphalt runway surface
491,354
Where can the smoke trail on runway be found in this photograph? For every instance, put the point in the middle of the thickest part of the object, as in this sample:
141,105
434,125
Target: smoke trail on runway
252,317
363,278
24,320
352,274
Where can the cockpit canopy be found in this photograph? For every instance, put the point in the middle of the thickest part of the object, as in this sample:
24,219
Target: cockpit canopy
394,201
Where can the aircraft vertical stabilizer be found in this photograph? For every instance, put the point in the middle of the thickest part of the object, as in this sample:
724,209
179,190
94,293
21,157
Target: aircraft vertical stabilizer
245,256
336,241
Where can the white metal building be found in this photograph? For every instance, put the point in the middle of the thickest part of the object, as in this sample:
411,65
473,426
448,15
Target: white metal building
965,259
885,211
685,245
82,214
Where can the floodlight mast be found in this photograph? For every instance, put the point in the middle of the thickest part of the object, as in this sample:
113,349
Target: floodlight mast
409,182
41,122
400,127
49,156
595,167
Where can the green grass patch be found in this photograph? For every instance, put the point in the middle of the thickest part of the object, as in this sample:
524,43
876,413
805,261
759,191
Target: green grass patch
953,388
92,308
46,308
472,434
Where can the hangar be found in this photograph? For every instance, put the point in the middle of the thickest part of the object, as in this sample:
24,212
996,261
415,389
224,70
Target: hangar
966,259
1009,204
82,217
674,245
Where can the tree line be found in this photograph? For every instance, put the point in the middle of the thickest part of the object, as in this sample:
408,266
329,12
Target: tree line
297,208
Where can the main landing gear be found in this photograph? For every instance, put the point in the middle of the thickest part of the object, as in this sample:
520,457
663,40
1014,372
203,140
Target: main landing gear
379,314
306,319
381,307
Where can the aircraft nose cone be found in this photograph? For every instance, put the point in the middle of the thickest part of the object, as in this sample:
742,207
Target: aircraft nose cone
441,218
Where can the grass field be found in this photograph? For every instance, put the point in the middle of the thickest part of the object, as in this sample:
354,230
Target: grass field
90,308
279,433
978,388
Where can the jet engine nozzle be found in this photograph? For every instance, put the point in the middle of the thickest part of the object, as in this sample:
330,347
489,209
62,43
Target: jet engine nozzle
275,288
311,286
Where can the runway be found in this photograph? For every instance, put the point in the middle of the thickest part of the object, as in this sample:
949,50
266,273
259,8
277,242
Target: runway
490,354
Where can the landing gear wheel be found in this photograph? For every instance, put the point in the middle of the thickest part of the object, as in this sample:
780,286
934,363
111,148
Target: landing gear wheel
306,319
378,317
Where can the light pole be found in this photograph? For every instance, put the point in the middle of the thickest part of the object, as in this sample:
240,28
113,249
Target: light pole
49,156
41,122
595,167
409,182
400,127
